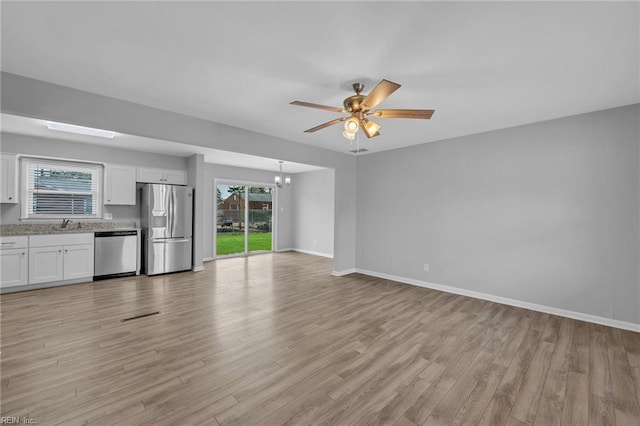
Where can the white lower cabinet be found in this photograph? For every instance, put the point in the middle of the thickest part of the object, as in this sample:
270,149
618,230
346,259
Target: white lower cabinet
15,267
45,264
14,255
41,259
60,257
78,261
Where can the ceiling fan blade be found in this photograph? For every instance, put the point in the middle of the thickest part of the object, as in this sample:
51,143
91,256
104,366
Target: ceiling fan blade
327,124
379,93
402,113
318,106
369,128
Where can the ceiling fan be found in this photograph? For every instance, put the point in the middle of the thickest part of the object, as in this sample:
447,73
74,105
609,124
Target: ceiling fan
359,107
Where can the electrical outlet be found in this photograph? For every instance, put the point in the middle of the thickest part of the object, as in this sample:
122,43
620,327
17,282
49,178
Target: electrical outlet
108,216
426,267
315,243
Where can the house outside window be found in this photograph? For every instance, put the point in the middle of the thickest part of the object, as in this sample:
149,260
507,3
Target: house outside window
61,189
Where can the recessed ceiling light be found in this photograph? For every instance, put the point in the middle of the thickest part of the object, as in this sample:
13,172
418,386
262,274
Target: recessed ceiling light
71,128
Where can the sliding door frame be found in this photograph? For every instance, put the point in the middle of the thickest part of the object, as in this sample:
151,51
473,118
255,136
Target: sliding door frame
274,216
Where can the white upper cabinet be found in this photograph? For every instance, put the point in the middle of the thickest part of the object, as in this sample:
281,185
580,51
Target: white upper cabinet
8,178
172,177
120,185
148,175
175,177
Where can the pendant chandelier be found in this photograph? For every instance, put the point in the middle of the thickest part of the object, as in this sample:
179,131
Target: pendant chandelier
280,179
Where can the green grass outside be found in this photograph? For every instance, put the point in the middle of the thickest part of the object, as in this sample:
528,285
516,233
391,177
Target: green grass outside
234,243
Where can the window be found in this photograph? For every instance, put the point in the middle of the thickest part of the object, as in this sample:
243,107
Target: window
56,189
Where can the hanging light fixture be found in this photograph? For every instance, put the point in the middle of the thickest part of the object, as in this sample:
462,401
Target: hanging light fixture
351,125
350,129
280,180
370,128
348,135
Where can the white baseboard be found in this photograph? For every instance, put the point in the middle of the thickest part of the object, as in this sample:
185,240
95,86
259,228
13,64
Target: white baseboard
503,300
197,268
343,273
315,253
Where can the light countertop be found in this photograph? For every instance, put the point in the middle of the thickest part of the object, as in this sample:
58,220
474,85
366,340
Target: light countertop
71,228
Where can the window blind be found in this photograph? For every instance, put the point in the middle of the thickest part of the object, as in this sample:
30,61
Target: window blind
61,189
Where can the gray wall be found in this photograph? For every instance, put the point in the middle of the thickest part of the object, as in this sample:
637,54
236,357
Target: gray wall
30,145
546,213
313,207
283,199
37,99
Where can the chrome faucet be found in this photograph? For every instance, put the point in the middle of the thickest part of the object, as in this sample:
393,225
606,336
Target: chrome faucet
65,222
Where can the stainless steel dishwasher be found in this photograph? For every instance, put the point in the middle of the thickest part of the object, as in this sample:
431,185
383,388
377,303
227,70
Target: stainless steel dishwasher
116,254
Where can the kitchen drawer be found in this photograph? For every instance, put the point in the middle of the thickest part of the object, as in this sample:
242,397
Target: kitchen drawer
14,242
49,240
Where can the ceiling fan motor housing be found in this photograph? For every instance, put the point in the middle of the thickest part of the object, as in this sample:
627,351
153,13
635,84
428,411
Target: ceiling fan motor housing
353,103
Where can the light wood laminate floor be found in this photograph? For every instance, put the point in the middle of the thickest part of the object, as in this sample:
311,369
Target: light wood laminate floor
275,339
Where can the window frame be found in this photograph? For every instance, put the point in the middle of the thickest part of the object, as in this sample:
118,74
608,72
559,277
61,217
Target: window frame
26,191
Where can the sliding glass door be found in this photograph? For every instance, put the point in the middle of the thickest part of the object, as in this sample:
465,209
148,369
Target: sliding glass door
244,219
259,229
230,237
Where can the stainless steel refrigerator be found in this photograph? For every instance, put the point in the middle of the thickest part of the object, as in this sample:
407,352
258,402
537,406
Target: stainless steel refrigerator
166,220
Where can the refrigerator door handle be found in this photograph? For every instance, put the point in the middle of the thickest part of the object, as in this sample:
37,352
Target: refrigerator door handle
171,210
173,240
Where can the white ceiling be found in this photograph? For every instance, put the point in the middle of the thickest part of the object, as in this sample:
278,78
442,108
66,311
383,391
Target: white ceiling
35,127
480,65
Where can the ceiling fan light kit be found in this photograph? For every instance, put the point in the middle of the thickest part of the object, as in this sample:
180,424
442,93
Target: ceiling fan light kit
351,125
350,129
359,107
349,135
370,128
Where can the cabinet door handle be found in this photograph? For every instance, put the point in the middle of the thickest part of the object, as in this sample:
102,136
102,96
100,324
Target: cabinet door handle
66,251
59,251
23,253
11,198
